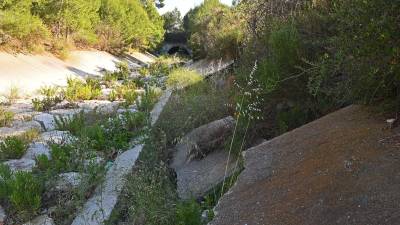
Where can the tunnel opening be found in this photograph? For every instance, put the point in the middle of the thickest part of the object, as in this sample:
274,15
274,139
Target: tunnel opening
179,51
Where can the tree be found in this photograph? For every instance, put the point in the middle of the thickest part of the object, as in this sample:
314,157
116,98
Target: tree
173,21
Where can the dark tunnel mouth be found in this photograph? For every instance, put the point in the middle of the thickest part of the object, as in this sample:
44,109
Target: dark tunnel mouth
179,50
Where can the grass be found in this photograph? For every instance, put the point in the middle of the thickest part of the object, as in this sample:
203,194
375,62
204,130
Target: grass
51,96
81,90
149,196
198,105
181,78
6,117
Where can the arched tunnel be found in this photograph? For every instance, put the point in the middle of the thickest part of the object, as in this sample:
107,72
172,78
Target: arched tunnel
176,43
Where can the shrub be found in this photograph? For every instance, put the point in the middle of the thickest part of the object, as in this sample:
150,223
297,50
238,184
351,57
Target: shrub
51,97
25,193
12,95
80,90
181,78
149,99
188,213
72,124
5,178
123,70
43,163
61,158
6,117
12,148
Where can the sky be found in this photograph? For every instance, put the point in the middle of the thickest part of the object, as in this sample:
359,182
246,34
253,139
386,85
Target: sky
184,5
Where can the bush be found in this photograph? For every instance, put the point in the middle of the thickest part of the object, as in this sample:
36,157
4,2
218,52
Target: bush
81,90
181,78
149,99
12,148
25,193
188,213
6,177
51,97
123,70
72,124
6,117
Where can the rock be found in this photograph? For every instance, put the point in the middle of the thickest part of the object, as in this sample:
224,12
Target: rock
25,116
57,137
106,92
36,149
46,120
21,106
19,128
99,207
3,215
197,177
202,140
130,110
21,164
101,106
41,220
66,113
63,105
300,176
156,112
68,181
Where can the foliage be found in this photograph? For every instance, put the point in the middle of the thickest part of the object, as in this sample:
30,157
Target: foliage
12,148
25,192
181,78
149,188
199,104
173,21
6,117
149,99
81,90
51,96
22,190
72,124
109,25
215,30
188,213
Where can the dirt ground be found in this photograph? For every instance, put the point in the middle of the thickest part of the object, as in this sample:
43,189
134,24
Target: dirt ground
341,169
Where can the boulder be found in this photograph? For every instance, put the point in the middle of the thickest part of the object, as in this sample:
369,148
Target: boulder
57,137
19,129
3,215
101,106
41,220
197,177
340,169
66,113
68,181
46,120
21,164
199,142
36,149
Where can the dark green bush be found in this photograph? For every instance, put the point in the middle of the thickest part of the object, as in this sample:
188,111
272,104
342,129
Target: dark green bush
72,124
25,193
12,148
188,213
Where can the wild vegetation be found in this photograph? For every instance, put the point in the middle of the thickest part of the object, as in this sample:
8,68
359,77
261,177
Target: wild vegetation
59,25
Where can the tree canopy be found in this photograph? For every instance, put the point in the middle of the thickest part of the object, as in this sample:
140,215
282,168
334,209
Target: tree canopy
111,25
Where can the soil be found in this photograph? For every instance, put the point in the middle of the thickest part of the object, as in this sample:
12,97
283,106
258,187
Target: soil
341,169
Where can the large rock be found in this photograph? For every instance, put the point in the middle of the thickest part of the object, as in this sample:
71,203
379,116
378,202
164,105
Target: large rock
198,177
201,141
101,106
41,220
46,120
19,129
68,181
36,149
341,169
57,137
21,164
3,215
